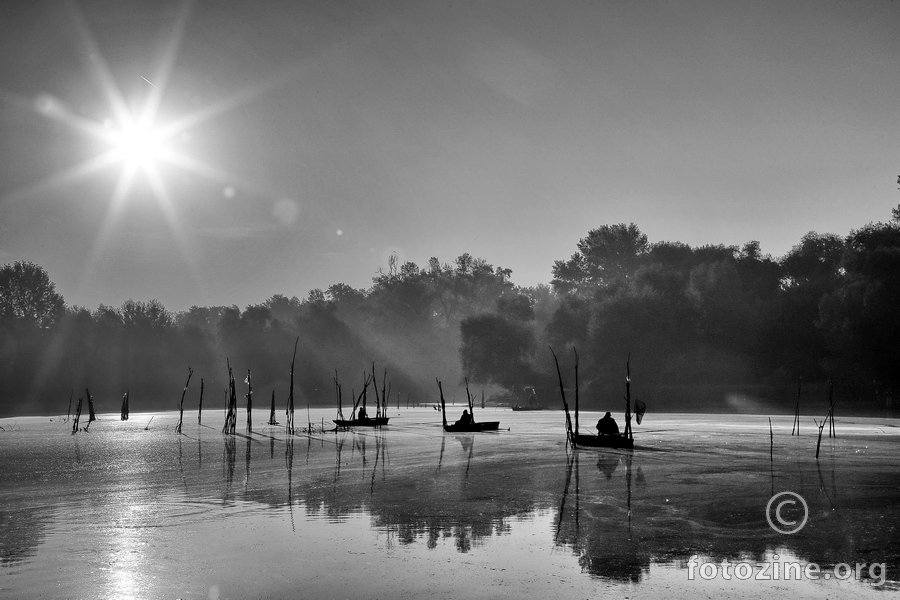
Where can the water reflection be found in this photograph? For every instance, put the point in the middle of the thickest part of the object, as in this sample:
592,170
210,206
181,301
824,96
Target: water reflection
21,532
598,524
610,514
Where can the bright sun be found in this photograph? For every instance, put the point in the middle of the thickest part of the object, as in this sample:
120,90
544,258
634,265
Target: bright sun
139,146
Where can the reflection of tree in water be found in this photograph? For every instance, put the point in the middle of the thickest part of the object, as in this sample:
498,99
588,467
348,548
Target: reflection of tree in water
456,500
21,532
594,520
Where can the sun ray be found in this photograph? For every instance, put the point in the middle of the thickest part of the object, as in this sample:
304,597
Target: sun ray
99,68
62,178
166,63
193,119
139,144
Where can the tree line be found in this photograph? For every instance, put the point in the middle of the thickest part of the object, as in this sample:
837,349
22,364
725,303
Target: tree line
705,327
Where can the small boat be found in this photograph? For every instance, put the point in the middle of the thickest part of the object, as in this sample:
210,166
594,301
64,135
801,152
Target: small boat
530,404
519,407
602,441
469,427
612,439
364,422
361,419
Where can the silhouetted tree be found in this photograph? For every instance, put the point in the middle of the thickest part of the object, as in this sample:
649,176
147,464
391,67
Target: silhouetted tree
27,295
607,257
496,350
859,316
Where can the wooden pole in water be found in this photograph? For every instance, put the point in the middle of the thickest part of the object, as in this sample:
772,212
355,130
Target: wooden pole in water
576,389
771,442
77,416
831,431
628,433
375,387
91,415
200,406
821,426
272,420
562,392
249,402
443,406
819,443
231,396
471,403
290,407
181,404
337,393
797,410
69,410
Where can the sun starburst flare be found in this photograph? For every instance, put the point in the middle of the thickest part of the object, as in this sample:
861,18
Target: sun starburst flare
136,144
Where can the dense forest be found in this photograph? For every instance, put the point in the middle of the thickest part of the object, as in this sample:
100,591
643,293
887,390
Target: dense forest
706,328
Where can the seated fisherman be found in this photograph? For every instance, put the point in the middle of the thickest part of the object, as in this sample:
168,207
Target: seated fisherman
465,419
362,413
607,426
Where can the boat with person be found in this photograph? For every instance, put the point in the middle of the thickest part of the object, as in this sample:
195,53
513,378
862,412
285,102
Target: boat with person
361,418
467,423
531,403
608,434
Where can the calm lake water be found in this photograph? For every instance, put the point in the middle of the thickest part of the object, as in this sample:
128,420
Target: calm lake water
134,510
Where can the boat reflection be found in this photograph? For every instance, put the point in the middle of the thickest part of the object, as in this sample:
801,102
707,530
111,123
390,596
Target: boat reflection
596,523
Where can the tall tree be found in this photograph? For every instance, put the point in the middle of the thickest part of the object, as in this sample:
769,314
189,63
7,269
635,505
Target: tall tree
606,257
859,316
27,295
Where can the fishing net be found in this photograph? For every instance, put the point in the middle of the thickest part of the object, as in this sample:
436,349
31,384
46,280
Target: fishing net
639,409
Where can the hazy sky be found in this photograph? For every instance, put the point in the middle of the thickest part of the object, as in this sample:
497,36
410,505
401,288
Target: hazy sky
298,144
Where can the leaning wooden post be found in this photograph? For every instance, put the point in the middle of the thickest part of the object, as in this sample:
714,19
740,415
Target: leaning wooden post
91,416
562,392
443,406
771,442
69,410
797,409
181,404
77,416
819,443
200,406
821,426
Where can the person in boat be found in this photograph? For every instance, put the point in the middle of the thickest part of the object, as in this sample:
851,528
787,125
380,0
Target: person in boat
607,426
465,419
361,415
